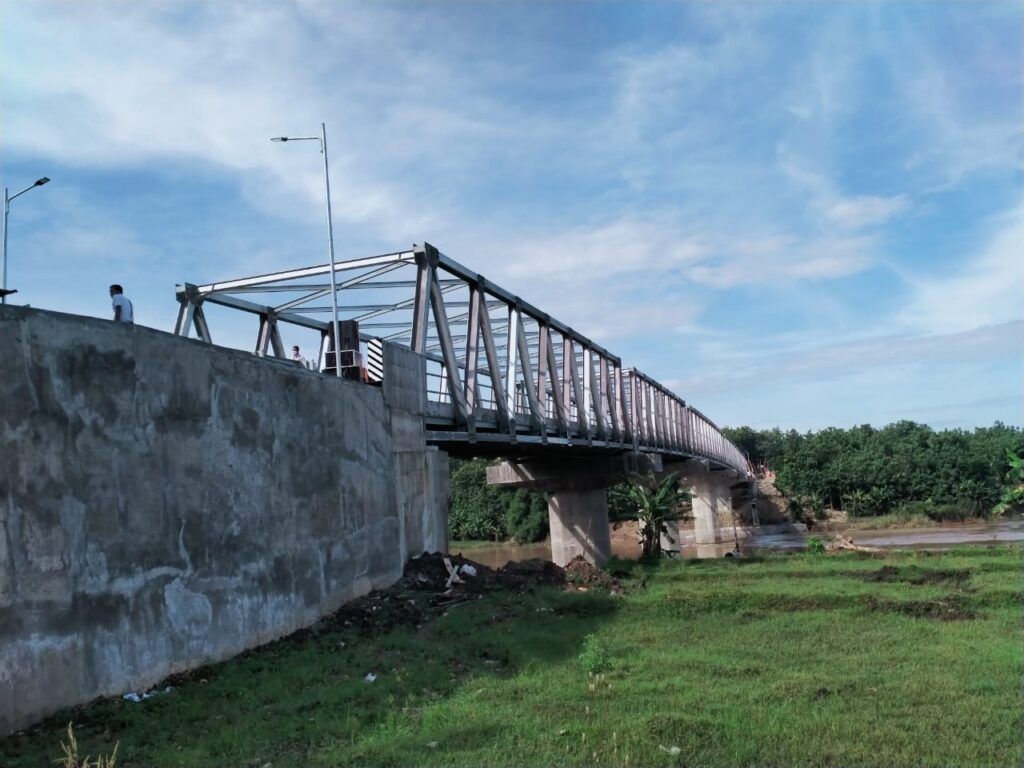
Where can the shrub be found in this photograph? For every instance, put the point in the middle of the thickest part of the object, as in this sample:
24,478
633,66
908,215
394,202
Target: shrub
481,511
526,517
620,504
1013,494
477,510
595,657
815,546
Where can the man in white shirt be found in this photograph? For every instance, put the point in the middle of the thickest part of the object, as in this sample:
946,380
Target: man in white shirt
122,306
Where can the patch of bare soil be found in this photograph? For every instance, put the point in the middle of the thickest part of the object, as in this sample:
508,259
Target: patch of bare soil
918,577
949,608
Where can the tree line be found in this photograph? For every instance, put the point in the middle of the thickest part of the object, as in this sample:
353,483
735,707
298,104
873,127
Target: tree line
904,467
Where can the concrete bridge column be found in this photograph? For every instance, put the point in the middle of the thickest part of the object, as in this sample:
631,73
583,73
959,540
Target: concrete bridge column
577,501
723,500
579,525
706,521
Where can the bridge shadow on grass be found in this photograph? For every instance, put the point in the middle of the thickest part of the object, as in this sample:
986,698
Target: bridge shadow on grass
308,698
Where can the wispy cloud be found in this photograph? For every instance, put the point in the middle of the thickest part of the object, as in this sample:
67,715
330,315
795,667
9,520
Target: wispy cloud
985,288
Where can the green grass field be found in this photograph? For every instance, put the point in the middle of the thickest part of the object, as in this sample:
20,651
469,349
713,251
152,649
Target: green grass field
796,660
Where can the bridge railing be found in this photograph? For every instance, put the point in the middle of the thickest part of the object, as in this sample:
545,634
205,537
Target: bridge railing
498,368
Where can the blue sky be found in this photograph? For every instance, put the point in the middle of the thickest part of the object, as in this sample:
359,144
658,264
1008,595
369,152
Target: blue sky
794,214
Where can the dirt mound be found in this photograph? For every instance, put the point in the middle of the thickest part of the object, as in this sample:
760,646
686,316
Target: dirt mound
530,573
432,572
583,576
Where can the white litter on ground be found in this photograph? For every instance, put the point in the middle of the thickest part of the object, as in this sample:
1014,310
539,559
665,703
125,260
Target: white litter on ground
137,697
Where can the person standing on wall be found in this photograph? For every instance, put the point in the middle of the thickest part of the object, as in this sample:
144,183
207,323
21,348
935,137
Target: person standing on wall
123,312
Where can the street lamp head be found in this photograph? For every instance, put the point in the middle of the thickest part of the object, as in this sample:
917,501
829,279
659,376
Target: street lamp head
42,181
280,138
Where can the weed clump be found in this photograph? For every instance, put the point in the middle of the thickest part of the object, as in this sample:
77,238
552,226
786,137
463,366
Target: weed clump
815,546
70,758
595,657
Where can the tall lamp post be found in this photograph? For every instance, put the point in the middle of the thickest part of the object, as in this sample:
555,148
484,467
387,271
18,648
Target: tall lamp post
322,138
7,210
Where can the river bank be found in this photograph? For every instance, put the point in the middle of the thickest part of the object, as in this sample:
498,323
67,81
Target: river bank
625,539
812,660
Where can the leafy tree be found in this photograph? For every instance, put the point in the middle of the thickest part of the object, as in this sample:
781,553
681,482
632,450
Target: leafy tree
869,471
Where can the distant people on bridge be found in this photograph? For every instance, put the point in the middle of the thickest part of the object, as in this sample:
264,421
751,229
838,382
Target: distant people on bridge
297,357
123,312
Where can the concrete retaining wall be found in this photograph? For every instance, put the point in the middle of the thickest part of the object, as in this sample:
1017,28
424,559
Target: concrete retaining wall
165,503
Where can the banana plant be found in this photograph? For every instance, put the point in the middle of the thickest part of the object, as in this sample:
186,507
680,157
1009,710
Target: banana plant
657,504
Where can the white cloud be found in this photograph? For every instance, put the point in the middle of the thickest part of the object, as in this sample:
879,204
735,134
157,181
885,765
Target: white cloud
122,85
865,210
825,363
986,289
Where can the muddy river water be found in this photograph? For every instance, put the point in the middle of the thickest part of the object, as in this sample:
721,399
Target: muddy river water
939,537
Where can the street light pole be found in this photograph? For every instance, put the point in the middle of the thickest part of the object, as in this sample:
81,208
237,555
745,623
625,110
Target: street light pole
322,138
330,243
7,210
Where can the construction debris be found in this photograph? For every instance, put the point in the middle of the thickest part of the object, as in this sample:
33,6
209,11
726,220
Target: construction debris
584,576
434,583
845,543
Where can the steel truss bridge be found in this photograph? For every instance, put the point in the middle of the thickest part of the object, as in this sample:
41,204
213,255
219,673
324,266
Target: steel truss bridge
503,377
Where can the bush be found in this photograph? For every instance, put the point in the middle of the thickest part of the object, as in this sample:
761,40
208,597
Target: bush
526,517
595,657
620,504
815,546
477,510
493,513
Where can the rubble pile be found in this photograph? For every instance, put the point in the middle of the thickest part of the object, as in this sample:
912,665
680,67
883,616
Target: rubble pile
584,576
431,583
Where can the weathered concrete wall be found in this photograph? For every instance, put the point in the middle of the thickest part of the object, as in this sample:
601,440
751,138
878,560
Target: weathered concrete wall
165,503
421,472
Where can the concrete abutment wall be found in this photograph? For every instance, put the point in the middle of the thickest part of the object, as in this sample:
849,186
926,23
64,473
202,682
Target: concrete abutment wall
165,503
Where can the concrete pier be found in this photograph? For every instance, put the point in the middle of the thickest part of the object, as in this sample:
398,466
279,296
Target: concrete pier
579,526
706,490
577,498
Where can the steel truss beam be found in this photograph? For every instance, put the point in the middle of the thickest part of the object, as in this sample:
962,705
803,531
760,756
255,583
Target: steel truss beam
539,380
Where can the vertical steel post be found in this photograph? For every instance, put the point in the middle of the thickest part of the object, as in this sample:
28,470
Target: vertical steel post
330,242
7,210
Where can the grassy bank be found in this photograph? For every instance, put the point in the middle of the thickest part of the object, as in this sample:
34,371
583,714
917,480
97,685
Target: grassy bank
467,545
906,659
892,520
